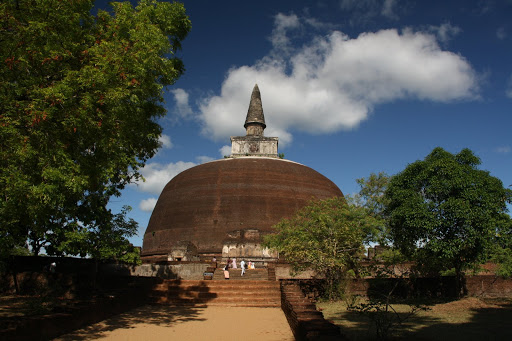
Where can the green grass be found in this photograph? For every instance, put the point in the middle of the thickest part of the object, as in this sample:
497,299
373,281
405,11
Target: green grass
466,319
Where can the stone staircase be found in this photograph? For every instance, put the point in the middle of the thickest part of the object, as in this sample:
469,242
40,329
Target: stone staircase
260,274
306,322
244,292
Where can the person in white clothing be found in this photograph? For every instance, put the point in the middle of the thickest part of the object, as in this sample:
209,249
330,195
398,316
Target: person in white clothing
242,265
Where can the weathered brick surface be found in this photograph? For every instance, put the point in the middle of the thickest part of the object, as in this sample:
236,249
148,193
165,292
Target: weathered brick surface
306,322
485,285
204,204
242,293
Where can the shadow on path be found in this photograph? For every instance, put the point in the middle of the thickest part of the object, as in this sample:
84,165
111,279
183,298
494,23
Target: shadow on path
149,314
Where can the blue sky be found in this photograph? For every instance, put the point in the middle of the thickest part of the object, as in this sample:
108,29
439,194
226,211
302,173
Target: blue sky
350,87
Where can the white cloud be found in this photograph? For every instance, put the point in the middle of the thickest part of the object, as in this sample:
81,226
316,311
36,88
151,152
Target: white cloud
225,151
335,81
320,25
165,141
158,175
283,23
204,159
388,9
147,205
445,32
183,108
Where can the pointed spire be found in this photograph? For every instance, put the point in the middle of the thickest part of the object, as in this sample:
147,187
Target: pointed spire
255,117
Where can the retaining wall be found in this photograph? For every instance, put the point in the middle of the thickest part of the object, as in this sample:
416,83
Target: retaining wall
481,286
174,270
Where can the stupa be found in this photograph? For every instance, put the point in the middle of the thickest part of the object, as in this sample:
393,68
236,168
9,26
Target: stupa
223,208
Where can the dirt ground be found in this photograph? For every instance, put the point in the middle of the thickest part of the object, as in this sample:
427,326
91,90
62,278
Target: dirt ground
466,319
153,322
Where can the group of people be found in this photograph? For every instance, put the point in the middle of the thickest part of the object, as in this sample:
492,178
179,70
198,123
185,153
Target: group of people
231,263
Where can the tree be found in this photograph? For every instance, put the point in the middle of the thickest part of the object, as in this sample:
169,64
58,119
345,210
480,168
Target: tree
371,196
445,212
105,240
326,236
501,250
79,99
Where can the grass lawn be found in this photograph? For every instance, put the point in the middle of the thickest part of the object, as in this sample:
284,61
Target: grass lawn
466,319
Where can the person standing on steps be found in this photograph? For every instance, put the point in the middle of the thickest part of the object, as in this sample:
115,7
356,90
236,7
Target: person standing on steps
242,265
226,271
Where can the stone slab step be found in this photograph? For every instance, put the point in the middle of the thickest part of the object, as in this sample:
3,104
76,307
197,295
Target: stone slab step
223,304
216,288
235,274
191,282
234,302
250,293
216,295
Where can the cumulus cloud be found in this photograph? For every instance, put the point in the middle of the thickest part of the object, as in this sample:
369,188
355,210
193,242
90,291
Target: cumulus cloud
148,205
158,175
388,9
225,151
182,107
335,81
445,32
165,141
282,24
204,159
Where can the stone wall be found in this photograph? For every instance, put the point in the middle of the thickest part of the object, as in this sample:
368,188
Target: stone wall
173,270
480,286
284,271
131,292
33,273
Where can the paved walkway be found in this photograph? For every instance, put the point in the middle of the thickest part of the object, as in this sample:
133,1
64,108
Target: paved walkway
154,322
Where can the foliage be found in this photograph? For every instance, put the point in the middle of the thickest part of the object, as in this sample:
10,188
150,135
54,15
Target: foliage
503,258
384,316
79,99
106,240
326,236
371,196
501,252
379,307
444,211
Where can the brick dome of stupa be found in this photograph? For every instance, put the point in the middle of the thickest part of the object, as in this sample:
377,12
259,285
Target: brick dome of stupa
225,207
230,203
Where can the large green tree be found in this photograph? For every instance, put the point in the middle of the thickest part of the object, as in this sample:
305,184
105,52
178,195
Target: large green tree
371,196
80,95
326,236
445,211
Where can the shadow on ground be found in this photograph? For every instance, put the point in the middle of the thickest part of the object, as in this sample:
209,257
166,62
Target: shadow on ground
149,314
483,323
156,314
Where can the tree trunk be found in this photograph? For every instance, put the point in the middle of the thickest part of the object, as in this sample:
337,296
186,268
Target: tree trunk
460,283
12,263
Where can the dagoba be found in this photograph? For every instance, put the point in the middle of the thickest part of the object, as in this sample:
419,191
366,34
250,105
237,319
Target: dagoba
223,208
